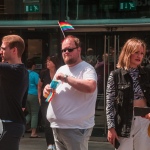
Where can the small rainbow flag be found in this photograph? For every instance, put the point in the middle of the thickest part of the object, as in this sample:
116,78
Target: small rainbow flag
65,26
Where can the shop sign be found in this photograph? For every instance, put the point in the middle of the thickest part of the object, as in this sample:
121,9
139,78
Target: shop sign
127,6
32,8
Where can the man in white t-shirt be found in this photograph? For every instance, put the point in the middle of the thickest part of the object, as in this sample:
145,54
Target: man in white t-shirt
72,109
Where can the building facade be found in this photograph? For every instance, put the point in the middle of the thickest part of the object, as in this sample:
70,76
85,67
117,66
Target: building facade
102,25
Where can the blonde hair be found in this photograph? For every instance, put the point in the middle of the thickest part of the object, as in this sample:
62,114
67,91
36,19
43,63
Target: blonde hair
130,47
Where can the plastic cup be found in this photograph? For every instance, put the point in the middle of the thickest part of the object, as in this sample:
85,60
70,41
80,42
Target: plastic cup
54,84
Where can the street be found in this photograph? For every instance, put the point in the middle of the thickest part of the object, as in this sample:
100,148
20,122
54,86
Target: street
27,143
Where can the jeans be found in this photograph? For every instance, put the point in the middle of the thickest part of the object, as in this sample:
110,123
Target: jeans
12,135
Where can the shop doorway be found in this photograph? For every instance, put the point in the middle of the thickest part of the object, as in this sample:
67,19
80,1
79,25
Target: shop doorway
36,47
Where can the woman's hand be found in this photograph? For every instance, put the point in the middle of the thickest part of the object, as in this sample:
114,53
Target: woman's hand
147,116
112,135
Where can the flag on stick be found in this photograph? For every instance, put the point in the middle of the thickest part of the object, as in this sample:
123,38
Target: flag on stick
65,26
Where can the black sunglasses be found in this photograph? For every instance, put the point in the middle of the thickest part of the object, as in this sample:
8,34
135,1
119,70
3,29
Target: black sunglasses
68,49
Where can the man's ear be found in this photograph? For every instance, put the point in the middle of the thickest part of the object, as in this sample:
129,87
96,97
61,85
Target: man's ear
15,50
79,49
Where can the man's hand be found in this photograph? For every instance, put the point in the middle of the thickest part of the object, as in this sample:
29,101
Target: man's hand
60,76
46,90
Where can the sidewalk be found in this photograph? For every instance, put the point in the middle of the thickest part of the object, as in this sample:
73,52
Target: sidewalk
40,144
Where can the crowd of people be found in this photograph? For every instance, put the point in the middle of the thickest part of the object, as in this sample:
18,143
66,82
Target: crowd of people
68,111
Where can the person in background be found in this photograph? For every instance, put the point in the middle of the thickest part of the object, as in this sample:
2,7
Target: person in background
32,100
90,57
13,92
129,87
72,109
46,76
100,67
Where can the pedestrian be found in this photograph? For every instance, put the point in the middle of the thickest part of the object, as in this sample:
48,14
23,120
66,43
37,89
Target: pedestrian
72,109
90,57
32,99
101,68
128,87
13,92
46,77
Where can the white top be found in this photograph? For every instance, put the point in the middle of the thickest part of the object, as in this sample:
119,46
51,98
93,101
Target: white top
71,108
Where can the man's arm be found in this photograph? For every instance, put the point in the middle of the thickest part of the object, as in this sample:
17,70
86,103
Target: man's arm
24,100
82,85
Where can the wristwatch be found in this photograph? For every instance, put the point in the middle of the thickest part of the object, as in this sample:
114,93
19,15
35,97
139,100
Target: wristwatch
65,78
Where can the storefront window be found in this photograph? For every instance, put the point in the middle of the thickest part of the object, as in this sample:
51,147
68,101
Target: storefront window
35,51
73,9
29,9
108,9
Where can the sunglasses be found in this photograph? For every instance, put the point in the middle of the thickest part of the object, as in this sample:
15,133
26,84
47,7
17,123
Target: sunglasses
68,49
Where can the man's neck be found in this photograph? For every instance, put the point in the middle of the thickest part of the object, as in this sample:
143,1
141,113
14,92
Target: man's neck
15,61
71,65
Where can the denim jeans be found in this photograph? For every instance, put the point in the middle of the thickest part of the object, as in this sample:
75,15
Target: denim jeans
12,135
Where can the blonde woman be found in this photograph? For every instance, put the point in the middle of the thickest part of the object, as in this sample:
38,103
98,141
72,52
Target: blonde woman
127,87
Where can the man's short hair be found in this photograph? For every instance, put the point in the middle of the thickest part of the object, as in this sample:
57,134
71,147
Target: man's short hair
15,41
76,40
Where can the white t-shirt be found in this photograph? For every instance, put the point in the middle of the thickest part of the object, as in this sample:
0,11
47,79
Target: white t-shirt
71,108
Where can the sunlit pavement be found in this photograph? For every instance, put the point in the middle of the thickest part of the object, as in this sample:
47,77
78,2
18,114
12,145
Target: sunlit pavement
28,143
98,141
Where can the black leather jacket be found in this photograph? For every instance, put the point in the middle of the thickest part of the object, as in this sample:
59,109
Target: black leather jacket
125,95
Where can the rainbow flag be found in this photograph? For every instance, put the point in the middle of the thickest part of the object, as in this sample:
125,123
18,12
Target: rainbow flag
65,26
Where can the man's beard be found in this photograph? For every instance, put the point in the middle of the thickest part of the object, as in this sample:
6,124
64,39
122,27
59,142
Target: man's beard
70,61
